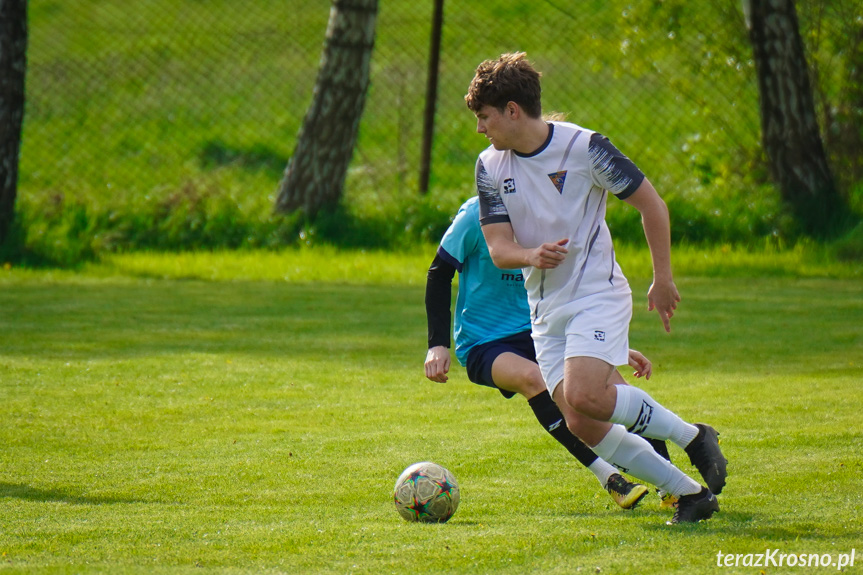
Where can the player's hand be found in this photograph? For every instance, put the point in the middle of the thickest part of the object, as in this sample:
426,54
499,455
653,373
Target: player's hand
437,364
642,366
549,255
663,297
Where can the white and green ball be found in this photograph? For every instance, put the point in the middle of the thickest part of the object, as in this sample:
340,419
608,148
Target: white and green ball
426,492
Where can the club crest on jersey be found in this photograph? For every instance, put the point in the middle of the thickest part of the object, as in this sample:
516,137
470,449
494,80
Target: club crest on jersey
509,186
558,178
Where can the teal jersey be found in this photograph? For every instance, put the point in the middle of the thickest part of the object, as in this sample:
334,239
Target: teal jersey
491,303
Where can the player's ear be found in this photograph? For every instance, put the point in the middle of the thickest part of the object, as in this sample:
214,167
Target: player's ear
512,110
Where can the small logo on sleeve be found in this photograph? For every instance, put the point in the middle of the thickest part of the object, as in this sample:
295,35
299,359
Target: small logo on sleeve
599,335
509,186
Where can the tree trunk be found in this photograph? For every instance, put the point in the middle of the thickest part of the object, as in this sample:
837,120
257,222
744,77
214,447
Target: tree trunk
795,152
315,175
13,60
790,135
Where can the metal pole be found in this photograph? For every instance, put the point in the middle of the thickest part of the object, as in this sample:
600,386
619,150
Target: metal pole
431,96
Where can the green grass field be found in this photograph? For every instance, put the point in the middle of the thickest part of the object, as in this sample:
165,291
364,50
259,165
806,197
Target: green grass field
249,413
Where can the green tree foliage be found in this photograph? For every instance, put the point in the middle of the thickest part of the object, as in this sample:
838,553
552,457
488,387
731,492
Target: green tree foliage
704,48
833,34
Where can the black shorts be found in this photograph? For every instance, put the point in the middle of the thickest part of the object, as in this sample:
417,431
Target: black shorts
481,357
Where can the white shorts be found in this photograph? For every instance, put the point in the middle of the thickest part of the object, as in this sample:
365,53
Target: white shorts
593,326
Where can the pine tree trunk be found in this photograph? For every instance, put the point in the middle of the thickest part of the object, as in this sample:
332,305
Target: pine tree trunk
13,60
315,176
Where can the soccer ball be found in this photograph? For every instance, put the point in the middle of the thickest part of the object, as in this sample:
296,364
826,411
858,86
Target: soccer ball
426,492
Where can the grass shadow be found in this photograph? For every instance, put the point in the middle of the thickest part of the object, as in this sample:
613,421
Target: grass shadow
28,493
259,318
216,154
761,528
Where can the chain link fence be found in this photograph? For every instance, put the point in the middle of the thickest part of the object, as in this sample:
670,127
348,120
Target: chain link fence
169,101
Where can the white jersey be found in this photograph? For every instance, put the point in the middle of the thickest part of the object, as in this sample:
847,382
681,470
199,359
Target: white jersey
559,192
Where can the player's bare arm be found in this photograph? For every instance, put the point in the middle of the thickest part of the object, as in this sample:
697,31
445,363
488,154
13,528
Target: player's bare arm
507,254
662,295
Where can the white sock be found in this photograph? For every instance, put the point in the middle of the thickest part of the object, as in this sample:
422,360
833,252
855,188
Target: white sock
603,470
634,455
683,485
643,415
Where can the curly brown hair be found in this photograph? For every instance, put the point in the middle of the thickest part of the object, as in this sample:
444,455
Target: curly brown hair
510,78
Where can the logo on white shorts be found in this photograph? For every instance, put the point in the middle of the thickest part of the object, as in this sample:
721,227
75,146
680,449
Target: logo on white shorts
599,335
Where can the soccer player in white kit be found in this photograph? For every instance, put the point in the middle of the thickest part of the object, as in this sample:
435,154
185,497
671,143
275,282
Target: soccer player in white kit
543,188
491,325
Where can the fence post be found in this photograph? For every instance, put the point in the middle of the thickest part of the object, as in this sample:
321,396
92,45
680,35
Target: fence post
431,96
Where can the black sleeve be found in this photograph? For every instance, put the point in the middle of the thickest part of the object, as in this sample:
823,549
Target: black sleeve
491,208
438,301
612,169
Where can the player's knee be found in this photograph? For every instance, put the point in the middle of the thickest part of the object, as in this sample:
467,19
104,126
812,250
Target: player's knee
584,401
534,382
528,382
579,402
585,428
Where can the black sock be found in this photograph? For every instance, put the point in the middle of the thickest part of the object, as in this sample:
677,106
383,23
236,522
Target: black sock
659,447
550,417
